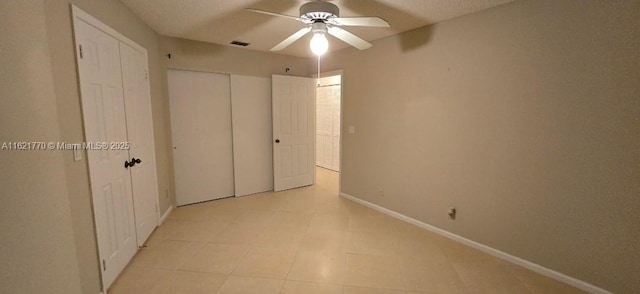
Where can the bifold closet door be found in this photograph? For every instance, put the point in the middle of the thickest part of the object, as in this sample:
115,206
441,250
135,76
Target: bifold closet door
200,106
144,180
103,109
116,112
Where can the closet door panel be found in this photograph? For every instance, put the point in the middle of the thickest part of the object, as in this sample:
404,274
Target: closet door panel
200,107
252,133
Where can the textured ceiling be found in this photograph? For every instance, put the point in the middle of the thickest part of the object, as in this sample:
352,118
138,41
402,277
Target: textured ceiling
221,21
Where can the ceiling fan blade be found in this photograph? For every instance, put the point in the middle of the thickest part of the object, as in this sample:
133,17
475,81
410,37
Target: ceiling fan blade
349,38
297,35
360,21
273,14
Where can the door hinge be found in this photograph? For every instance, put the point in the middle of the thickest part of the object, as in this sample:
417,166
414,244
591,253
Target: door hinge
104,265
146,74
80,49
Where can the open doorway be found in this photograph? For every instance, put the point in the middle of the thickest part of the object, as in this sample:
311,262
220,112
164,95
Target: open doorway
328,122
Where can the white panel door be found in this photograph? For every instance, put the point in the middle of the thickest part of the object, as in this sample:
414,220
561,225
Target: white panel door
140,134
252,134
293,105
104,121
200,106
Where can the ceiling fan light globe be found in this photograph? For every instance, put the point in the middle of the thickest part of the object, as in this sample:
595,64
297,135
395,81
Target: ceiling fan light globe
319,44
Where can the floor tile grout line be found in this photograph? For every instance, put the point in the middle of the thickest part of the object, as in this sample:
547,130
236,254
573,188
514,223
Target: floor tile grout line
298,250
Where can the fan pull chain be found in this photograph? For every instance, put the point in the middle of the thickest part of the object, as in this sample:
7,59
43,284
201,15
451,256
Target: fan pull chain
318,81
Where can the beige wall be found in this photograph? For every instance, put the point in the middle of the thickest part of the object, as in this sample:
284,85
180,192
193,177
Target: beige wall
200,56
38,251
65,82
524,117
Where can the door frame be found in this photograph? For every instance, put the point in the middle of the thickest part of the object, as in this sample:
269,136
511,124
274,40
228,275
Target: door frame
337,72
80,15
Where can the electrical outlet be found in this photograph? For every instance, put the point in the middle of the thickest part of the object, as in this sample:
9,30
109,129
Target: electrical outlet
452,213
381,192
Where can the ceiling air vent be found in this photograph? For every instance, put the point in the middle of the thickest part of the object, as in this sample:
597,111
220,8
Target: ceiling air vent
239,43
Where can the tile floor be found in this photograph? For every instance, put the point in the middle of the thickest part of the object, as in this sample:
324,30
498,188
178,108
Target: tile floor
309,241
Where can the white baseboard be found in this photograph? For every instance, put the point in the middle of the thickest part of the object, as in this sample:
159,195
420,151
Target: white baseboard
492,251
166,214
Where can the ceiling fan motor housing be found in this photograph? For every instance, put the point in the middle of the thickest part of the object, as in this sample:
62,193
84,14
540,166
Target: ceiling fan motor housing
316,10
318,27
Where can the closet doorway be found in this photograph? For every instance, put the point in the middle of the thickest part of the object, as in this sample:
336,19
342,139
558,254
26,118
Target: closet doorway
117,120
328,114
221,127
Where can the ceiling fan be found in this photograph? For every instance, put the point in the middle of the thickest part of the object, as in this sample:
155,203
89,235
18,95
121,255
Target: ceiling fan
322,18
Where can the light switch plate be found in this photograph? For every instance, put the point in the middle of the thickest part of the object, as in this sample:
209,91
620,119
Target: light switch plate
77,154
352,130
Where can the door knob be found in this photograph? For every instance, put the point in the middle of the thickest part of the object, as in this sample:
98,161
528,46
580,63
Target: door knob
131,163
277,140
